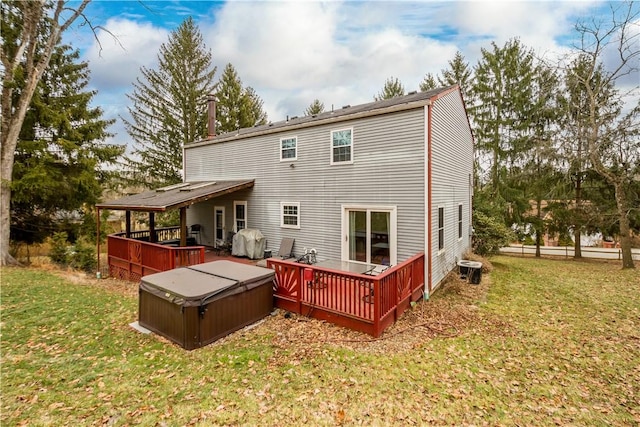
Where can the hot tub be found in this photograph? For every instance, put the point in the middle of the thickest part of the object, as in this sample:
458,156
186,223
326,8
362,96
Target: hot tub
194,306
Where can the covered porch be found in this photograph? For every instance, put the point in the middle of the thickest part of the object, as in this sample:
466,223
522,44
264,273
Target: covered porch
133,254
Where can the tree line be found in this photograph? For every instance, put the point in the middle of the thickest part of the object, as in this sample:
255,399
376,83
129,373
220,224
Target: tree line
557,149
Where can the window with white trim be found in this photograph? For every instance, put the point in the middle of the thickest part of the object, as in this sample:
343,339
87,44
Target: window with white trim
290,215
239,215
342,146
289,148
460,221
440,229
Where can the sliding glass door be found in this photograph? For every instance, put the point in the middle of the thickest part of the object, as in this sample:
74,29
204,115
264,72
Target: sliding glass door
370,235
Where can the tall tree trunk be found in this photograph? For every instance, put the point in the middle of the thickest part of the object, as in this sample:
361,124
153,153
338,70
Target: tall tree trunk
35,62
538,227
625,228
577,229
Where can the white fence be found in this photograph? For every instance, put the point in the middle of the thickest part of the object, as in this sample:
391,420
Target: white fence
567,252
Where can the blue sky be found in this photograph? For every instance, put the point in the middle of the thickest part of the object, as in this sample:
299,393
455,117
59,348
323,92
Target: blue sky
338,52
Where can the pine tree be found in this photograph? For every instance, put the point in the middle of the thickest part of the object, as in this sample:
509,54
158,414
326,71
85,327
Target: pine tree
391,89
316,107
169,106
60,157
503,89
30,32
459,73
237,107
428,83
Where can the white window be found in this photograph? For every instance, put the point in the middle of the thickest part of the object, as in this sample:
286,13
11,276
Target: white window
288,149
239,215
460,221
290,215
370,234
440,229
342,146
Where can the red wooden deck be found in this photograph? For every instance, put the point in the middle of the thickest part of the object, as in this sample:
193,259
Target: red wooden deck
362,302
131,259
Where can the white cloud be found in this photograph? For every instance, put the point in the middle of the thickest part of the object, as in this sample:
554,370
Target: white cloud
339,52
124,47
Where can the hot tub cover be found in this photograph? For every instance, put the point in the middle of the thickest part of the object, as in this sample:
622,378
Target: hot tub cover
203,283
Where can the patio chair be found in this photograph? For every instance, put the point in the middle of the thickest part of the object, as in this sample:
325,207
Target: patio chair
226,245
286,248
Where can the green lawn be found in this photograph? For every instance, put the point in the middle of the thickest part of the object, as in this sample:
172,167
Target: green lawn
541,342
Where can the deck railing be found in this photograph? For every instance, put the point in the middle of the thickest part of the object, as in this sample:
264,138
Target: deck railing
162,234
362,302
131,259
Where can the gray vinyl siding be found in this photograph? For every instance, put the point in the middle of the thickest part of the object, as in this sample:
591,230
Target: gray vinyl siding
388,169
451,174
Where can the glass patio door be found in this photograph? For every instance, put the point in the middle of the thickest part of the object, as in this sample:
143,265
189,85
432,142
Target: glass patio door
370,235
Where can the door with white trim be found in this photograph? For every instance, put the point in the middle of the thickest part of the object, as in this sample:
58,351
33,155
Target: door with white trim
370,234
219,225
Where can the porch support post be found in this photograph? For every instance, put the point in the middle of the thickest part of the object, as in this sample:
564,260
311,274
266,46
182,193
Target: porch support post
127,225
183,226
152,227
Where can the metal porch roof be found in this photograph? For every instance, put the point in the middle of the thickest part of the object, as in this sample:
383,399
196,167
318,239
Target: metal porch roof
175,196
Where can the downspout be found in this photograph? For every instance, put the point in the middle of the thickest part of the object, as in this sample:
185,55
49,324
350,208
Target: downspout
428,205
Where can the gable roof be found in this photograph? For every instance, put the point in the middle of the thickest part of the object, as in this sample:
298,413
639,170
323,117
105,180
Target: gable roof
175,196
400,103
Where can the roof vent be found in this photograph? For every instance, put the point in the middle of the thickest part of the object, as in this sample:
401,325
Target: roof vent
294,117
346,106
172,187
413,92
197,186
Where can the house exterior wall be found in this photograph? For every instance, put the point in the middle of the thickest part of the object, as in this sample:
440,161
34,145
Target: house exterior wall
451,182
388,169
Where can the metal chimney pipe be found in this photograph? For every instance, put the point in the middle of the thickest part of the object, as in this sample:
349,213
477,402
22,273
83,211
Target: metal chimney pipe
211,125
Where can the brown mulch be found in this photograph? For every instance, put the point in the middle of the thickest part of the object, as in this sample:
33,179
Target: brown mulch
450,312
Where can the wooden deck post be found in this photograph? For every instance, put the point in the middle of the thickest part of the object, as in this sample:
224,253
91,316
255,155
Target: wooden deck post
127,225
183,226
152,228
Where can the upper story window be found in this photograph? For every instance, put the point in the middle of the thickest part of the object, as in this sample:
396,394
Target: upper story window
289,148
290,215
342,146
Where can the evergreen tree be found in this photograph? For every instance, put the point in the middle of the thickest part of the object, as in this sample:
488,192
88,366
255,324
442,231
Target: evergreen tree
428,83
459,73
60,158
503,89
237,107
169,107
539,180
30,31
391,89
316,107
